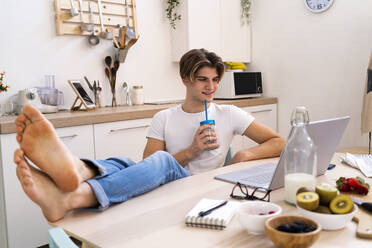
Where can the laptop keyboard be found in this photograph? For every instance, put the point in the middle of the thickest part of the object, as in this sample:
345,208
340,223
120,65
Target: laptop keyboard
262,179
259,176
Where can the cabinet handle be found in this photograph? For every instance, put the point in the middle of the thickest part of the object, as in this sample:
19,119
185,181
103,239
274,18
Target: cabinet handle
260,111
68,136
127,128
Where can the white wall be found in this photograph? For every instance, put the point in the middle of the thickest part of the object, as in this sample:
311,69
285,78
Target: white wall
31,48
316,60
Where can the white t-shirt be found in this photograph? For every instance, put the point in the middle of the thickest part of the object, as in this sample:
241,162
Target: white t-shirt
177,129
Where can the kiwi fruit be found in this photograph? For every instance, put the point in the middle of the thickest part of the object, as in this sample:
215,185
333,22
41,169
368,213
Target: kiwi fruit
326,193
323,210
304,189
341,204
308,200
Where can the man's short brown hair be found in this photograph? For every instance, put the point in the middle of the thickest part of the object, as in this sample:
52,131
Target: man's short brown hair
195,59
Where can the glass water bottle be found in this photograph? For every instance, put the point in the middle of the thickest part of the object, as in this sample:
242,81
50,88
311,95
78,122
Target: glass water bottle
300,157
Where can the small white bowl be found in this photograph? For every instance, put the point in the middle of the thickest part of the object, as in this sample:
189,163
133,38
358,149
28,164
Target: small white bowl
329,221
250,218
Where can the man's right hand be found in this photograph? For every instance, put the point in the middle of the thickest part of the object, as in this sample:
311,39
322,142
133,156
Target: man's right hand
200,143
203,140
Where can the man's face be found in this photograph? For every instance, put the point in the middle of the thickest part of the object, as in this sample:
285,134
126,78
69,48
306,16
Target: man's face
205,85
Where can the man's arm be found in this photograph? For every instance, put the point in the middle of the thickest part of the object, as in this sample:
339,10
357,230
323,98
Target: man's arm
270,144
152,146
183,157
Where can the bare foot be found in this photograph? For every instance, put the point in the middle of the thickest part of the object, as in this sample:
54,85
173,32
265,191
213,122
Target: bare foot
41,189
40,143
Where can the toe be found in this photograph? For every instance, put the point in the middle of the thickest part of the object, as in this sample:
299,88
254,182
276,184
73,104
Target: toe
32,113
27,122
19,138
20,128
18,156
20,119
27,181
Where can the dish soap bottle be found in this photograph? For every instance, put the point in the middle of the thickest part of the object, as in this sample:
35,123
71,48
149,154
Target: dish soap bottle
300,157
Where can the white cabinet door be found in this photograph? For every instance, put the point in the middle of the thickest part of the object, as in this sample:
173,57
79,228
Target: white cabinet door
203,34
214,25
235,38
24,222
121,138
79,140
265,114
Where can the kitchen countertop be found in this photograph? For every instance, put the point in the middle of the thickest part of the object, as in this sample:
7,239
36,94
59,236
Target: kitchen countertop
120,113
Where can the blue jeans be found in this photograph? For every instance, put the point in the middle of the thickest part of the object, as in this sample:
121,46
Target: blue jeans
121,178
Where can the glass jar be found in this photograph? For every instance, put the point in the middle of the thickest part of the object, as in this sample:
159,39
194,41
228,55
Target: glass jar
300,157
137,95
209,130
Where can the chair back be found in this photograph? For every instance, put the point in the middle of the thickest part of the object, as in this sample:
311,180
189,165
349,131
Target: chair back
58,239
229,155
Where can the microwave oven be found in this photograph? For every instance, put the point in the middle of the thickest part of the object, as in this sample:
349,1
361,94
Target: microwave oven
241,84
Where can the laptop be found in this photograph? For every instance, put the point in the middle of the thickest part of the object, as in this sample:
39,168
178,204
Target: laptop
326,135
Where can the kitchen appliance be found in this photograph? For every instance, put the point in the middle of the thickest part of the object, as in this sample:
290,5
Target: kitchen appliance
31,96
239,84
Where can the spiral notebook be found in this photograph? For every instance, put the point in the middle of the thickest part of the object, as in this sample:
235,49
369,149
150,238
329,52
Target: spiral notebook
218,219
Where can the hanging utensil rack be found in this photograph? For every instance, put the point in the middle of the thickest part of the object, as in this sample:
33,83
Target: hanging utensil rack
113,13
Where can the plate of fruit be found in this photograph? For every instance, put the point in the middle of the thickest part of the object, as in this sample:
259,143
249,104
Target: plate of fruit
325,205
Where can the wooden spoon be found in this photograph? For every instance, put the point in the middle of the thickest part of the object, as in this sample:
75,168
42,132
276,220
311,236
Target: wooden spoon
131,43
122,37
116,42
108,73
108,61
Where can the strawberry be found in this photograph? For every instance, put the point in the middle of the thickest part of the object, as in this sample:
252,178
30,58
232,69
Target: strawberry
345,188
353,182
361,181
362,189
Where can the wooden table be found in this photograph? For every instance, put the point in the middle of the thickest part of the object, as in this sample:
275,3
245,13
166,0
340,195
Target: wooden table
156,219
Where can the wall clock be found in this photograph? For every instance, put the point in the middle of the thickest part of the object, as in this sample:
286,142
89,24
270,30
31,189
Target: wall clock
318,5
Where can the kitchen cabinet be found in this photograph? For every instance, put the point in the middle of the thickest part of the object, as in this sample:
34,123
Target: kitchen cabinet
23,224
121,138
265,114
215,25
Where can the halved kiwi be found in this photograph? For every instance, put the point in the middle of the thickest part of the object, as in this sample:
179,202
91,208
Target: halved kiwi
308,200
326,193
341,204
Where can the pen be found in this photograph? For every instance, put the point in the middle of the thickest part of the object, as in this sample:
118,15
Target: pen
206,212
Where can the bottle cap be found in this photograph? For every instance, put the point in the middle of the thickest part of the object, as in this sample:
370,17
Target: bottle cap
207,122
300,116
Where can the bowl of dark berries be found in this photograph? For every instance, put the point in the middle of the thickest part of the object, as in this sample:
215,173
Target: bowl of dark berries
252,215
292,231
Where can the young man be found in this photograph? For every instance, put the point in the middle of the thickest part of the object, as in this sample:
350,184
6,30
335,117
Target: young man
65,182
177,130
